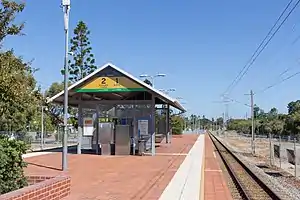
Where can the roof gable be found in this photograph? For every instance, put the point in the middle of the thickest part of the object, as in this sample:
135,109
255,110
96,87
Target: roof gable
110,70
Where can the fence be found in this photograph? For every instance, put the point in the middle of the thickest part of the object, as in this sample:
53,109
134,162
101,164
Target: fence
286,138
282,152
50,139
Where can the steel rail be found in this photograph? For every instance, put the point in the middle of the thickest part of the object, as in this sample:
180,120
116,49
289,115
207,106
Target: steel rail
241,188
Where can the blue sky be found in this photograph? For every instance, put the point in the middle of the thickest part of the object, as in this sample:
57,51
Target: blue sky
200,45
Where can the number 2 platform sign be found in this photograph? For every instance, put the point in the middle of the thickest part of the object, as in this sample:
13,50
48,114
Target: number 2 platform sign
111,84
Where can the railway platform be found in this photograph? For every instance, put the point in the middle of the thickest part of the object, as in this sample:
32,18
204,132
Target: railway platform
214,185
116,177
188,169
199,177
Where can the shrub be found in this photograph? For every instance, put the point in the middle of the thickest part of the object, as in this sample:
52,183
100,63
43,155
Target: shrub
11,164
177,125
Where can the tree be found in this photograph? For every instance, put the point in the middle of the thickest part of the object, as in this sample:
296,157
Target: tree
19,97
256,110
240,125
19,100
293,107
83,61
55,111
271,122
205,123
273,114
35,124
8,11
193,121
177,124
220,121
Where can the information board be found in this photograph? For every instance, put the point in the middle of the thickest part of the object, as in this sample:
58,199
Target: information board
111,84
88,126
143,127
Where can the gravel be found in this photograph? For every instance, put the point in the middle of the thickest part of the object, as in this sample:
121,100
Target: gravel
285,186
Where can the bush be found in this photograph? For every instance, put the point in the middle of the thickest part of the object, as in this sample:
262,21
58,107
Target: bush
11,164
177,125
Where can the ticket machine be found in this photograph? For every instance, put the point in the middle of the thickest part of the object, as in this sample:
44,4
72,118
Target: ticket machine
116,137
123,133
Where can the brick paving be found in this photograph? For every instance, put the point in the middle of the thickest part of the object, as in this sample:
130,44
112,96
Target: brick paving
116,177
215,186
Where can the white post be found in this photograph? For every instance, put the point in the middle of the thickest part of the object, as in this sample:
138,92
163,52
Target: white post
252,123
80,129
42,128
66,9
295,153
270,149
280,151
153,126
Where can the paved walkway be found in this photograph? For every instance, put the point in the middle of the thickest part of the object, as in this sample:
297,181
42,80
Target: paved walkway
117,177
215,187
185,184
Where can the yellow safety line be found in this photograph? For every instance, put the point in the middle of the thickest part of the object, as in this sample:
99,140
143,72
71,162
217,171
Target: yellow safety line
202,173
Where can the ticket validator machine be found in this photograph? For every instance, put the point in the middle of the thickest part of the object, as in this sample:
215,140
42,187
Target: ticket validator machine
123,134
106,137
114,137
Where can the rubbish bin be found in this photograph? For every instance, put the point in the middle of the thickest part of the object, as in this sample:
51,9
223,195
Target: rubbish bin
132,146
99,149
141,147
112,149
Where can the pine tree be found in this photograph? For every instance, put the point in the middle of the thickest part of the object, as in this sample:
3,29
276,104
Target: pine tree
82,62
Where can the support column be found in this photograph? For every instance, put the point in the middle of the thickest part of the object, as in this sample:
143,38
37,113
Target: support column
80,129
168,123
97,129
153,126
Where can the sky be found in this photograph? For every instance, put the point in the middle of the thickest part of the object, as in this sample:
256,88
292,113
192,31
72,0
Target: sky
200,46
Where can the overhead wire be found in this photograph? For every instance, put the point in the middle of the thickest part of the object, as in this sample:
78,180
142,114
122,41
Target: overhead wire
294,41
236,101
254,56
297,38
277,83
272,36
280,51
284,72
228,99
262,42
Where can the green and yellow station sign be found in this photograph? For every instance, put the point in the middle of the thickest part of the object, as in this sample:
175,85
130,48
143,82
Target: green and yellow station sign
111,84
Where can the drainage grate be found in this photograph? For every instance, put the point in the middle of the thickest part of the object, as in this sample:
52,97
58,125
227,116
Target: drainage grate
262,166
274,174
246,154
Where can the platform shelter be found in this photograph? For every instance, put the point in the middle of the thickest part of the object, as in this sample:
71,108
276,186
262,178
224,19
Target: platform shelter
116,112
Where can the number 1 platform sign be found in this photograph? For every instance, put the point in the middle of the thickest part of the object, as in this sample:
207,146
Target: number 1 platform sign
111,84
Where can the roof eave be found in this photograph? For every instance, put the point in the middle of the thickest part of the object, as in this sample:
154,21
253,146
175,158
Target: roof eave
167,98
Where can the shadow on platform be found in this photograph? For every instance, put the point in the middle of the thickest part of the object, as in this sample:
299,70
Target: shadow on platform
71,150
44,166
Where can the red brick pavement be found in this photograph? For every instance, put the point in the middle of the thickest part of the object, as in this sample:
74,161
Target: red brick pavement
215,186
117,177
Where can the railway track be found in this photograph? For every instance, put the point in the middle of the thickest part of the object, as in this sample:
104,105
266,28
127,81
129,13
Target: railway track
246,182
